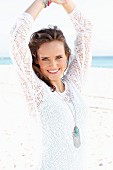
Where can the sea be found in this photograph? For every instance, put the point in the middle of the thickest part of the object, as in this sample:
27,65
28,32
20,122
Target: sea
97,61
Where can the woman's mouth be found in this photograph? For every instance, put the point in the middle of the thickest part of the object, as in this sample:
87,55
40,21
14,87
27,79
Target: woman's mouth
53,71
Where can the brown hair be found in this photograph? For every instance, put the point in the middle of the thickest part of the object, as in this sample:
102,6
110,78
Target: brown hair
43,36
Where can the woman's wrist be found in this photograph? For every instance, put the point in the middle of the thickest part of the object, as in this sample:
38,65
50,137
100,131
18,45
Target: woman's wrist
69,6
46,2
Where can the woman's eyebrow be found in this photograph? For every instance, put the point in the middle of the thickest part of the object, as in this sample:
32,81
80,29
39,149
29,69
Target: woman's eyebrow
44,57
59,55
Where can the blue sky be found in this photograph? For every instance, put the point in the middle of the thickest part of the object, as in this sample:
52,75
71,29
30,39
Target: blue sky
99,12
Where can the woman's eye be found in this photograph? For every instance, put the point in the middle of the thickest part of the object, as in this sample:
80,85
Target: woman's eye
44,59
59,57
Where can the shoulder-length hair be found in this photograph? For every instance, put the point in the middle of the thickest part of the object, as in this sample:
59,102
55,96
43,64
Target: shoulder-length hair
43,36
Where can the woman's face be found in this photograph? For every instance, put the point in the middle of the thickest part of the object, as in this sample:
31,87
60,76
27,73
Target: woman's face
52,59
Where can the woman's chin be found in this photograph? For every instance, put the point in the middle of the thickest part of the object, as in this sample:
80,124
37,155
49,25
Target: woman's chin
54,77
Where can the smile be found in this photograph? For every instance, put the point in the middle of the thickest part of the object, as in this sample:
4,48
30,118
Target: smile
53,71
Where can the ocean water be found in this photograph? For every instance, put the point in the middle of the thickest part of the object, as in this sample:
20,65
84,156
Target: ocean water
97,61
102,61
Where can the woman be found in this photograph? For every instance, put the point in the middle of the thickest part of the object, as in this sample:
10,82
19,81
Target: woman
52,85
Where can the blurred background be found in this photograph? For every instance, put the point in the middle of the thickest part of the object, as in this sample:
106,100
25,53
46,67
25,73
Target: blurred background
98,89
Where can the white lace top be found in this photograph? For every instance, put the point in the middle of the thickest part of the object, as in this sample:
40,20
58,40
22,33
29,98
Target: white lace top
55,110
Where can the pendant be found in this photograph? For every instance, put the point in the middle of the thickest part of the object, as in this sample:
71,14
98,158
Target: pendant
76,137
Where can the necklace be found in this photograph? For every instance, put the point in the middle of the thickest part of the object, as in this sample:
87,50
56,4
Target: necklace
76,133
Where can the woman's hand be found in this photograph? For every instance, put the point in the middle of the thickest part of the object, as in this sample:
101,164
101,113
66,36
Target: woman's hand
60,2
68,5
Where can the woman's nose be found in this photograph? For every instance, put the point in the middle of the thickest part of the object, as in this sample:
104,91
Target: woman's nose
53,64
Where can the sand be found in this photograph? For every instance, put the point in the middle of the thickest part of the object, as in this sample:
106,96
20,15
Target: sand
99,97
98,93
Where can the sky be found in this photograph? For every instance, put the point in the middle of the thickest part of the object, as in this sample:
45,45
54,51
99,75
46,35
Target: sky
99,12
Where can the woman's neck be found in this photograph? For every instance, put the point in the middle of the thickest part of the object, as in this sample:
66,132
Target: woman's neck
60,87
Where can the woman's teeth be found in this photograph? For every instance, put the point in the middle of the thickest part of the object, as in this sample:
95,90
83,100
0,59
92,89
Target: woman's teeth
53,71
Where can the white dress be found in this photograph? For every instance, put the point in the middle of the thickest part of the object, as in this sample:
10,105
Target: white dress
55,110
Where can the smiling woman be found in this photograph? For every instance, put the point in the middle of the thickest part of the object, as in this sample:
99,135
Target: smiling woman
51,59
53,95
27,144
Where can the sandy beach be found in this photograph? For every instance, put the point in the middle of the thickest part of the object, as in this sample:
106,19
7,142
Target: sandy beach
99,98
98,93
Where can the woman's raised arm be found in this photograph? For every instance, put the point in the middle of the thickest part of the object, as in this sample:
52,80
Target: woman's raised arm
82,47
20,52
35,8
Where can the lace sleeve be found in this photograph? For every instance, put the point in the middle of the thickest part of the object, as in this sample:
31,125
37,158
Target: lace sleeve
22,60
82,58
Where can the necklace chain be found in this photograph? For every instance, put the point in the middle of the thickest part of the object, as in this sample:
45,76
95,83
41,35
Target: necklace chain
68,98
